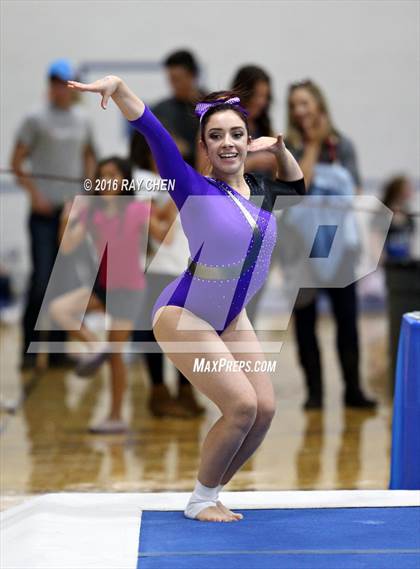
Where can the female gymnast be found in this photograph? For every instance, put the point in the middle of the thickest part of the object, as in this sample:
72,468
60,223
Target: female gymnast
202,312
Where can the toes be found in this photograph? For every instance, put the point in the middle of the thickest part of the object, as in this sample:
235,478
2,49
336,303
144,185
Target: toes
222,514
212,518
226,517
226,511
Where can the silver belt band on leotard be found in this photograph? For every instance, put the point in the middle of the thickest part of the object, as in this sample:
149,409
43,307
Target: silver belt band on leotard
233,271
213,273
207,272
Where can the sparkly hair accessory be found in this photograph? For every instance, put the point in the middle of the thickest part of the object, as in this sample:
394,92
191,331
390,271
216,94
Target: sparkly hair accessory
202,108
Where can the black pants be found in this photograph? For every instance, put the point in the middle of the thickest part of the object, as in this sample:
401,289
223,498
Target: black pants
43,233
344,308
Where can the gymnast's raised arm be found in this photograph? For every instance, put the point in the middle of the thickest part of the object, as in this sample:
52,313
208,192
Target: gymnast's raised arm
112,86
169,160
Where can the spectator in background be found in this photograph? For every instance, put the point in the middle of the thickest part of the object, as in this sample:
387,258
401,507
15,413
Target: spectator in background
171,260
253,85
397,194
57,141
177,115
116,223
312,134
313,139
177,112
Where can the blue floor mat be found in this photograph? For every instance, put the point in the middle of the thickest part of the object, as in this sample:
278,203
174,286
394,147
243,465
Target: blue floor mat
321,538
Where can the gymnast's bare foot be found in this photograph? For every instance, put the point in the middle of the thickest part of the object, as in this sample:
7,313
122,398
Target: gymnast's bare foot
213,514
236,516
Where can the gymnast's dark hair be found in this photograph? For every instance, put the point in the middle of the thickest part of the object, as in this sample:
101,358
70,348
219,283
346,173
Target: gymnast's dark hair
223,96
244,83
183,58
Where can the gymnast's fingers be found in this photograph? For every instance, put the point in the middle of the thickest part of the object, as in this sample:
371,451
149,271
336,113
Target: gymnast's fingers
92,87
104,102
262,143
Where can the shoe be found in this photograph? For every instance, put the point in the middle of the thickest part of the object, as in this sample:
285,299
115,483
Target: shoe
186,399
161,404
28,362
359,401
109,427
60,361
313,402
88,364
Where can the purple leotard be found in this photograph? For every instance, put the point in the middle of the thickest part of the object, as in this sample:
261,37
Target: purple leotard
223,228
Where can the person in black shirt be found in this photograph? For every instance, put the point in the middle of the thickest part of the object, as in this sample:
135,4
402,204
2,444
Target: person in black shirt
177,112
397,194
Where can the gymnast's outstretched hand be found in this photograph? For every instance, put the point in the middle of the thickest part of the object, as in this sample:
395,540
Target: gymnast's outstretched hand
112,86
287,167
268,144
105,86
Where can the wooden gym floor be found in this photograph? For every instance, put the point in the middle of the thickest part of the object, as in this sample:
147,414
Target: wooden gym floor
46,447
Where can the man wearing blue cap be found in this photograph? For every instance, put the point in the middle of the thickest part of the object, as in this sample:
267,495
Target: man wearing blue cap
56,140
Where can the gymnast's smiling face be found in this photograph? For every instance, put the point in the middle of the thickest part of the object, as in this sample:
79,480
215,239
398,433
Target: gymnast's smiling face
226,142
